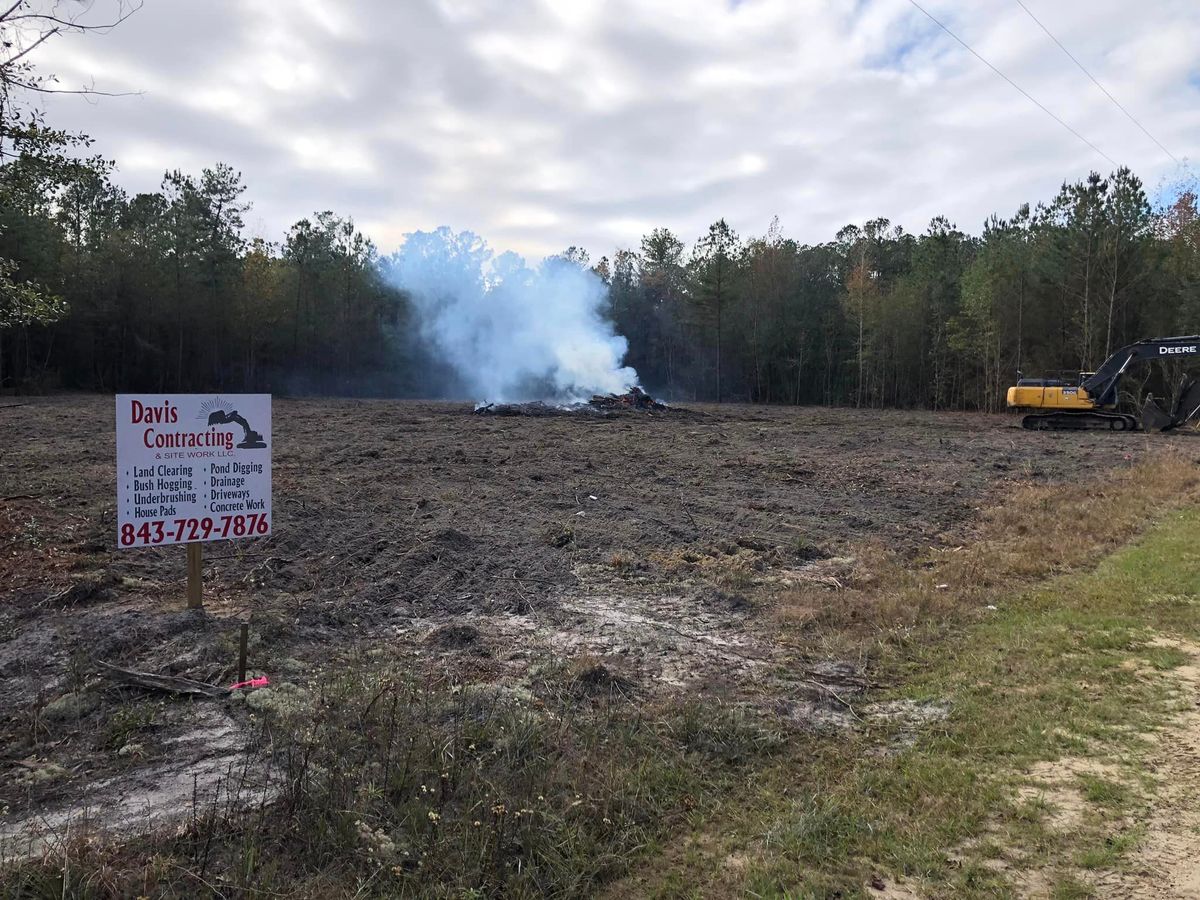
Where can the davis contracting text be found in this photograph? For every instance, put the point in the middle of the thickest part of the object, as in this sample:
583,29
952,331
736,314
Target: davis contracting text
168,414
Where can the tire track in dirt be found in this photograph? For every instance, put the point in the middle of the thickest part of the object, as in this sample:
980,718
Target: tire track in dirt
1166,864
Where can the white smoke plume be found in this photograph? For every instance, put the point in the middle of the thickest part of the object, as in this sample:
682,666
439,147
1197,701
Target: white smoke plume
511,333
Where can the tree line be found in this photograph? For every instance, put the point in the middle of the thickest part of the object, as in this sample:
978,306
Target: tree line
102,290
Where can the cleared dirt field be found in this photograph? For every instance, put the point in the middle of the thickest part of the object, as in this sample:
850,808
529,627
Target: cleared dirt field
478,547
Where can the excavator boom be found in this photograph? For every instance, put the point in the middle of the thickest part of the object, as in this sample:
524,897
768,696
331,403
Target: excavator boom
1103,383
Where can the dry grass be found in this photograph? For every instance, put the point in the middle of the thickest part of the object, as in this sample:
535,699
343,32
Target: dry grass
731,567
1040,531
623,563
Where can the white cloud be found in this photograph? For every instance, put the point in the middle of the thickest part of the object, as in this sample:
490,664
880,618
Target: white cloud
543,123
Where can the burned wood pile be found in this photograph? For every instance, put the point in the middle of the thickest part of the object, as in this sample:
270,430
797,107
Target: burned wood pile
634,398
604,405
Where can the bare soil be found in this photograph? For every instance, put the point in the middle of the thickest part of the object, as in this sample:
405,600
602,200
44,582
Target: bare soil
476,547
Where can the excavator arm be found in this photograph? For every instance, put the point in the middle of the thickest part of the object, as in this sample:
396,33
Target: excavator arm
1103,384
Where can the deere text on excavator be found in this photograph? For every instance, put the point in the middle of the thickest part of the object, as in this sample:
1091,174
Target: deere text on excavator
1091,402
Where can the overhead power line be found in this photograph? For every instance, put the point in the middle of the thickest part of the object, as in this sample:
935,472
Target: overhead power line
1084,70
1024,92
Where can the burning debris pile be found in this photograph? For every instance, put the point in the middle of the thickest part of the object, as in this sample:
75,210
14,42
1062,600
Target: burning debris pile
633,400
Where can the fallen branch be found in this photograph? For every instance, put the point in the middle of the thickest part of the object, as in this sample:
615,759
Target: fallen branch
167,683
687,512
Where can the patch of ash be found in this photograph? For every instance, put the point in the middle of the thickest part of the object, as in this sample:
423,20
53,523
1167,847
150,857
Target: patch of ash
839,671
829,707
670,641
208,767
906,719
674,639
914,713
817,714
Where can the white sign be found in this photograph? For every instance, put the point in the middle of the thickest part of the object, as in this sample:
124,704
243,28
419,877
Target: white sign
192,467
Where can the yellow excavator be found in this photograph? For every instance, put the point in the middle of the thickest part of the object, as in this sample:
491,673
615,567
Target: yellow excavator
1091,401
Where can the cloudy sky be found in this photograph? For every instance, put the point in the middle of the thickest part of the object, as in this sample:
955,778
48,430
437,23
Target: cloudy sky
544,123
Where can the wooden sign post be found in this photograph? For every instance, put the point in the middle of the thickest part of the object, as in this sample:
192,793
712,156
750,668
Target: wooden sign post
195,561
243,647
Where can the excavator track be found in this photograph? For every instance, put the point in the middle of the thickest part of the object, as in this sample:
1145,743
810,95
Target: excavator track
1081,420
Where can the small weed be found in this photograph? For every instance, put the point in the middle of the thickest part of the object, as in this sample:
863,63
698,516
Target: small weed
681,559
559,536
1108,853
1163,659
729,566
1068,888
824,826
1032,811
1103,791
803,548
1115,639
79,666
31,533
736,579
126,722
